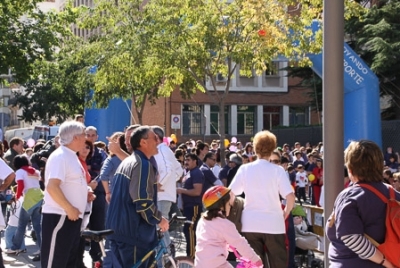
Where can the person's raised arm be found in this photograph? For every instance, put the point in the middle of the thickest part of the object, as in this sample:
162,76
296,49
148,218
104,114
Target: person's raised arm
115,148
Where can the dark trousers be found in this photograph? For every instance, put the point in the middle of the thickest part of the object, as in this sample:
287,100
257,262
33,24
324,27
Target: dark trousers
291,235
192,214
127,255
301,194
1,259
275,245
97,223
60,241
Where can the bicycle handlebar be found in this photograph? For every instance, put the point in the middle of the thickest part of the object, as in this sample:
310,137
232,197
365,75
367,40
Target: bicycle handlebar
246,263
180,219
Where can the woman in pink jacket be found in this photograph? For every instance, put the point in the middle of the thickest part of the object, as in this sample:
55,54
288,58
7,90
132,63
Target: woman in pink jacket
215,232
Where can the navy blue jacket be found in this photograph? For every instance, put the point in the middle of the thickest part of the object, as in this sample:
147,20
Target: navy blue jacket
133,213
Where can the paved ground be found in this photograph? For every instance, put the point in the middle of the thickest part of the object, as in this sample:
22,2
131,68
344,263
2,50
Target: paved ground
25,259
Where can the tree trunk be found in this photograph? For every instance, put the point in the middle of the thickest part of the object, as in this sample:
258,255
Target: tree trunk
221,129
140,117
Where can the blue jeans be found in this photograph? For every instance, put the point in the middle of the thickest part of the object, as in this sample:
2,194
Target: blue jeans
9,235
24,216
164,207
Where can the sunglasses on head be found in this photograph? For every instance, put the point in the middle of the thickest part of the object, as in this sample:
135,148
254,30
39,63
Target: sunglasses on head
275,161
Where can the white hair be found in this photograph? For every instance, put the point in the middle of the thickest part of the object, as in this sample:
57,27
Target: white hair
70,129
89,128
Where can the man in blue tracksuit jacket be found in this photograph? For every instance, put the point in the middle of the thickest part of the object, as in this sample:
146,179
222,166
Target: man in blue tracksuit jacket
133,213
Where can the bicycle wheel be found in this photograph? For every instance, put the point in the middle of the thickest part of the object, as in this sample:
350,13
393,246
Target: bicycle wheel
181,262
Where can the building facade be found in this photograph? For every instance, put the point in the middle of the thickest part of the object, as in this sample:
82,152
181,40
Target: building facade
253,104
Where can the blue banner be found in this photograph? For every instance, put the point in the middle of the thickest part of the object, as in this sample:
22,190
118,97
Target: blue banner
362,114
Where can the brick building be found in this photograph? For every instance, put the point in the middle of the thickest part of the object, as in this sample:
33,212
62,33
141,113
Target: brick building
253,104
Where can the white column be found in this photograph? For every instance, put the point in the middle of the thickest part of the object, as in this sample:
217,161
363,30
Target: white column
285,115
234,120
207,118
234,78
260,80
260,118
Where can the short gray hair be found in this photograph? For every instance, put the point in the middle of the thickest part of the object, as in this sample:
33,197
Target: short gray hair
91,128
68,130
159,131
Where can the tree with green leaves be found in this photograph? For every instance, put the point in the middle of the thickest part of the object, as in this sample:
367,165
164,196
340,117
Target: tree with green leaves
125,68
57,89
153,48
26,35
207,39
375,36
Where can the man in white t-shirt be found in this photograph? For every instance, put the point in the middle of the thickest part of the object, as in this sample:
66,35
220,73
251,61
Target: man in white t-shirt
7,176
263,220
65,199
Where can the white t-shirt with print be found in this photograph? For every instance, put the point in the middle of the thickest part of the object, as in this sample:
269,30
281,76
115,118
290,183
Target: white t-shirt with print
301,179
30,180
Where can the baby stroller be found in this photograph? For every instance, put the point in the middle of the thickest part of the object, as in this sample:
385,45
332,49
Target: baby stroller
306,241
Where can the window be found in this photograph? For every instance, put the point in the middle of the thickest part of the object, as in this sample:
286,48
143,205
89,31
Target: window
299,116
214,120
192,120
273,75
272,69
246,120
271,116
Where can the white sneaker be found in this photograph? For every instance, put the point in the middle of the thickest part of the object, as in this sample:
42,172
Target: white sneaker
8,260
12,251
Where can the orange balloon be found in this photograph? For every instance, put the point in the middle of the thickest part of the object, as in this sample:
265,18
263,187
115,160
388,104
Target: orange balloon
262,32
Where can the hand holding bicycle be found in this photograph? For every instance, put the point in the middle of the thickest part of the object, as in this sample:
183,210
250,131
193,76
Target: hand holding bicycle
164,224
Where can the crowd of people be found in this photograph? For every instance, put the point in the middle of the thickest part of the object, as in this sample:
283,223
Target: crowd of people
134,183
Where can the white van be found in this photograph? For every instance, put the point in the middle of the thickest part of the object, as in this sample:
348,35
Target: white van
23,133
45,132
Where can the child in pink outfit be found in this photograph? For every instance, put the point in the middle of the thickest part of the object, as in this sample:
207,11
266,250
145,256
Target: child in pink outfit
215,232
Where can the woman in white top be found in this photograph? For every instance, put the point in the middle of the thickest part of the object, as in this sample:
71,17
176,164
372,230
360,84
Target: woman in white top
27,179
263,218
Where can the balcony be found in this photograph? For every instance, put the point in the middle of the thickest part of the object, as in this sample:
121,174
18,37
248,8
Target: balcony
5,92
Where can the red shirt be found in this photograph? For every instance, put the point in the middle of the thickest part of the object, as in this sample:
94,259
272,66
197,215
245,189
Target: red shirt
85,167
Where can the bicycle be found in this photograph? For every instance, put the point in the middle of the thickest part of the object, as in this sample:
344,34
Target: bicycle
161,250
242,262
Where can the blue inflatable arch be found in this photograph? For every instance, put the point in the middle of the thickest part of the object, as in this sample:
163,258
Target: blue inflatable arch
362,114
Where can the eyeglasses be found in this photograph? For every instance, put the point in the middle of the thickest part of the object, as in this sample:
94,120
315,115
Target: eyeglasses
275,161
87,147
213,159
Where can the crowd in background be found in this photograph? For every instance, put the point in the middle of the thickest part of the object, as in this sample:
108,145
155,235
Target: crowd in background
185,171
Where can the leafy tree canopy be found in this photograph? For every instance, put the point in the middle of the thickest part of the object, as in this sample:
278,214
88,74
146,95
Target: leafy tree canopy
27,35
59,89
376,37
